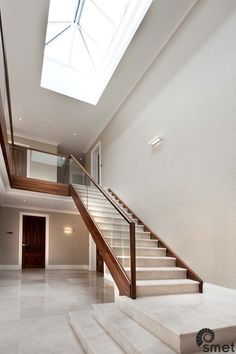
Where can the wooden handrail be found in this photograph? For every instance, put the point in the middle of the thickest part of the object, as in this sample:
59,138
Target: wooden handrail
42,151
120,277
179,263
131,229
7,80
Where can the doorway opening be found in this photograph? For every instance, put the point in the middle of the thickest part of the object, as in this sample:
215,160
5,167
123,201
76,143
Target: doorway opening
96,166
96,163
33,241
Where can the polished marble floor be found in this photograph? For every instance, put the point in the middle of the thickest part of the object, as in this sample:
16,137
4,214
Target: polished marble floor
34,306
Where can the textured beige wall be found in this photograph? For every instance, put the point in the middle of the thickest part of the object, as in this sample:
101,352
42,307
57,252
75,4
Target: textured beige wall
63,249
185,189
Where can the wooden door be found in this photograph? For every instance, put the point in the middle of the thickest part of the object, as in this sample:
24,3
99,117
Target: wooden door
33,242
100,267
19,158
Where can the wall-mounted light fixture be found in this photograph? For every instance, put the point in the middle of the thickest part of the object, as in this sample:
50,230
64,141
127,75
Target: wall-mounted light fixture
155,141
68,230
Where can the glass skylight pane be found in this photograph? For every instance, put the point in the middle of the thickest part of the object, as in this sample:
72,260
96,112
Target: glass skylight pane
62,10
95,51
79,57
96,25
59,49
54,29
114,9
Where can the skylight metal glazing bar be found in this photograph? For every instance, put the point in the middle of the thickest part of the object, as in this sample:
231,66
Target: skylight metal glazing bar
57,35
90,56
79,11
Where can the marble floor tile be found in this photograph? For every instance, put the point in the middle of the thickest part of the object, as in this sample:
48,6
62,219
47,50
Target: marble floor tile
34,306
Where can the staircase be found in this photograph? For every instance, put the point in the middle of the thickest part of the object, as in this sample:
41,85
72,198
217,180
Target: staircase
156,325
156,273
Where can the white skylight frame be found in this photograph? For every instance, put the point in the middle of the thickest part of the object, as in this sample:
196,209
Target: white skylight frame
87,82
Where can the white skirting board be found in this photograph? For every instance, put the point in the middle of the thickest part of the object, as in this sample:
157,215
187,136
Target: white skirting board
72,266
59,266
220,292
9,266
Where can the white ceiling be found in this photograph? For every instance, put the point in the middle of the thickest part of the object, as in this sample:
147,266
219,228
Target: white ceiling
25,23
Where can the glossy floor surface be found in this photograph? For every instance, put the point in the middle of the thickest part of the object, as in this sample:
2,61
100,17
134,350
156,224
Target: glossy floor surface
34,306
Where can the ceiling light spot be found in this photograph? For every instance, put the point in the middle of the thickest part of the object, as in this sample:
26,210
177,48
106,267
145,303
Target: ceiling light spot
24,201
75,134
20,119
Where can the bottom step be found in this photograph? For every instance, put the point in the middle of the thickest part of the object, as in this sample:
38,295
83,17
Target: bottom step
91,335
178,319
132,337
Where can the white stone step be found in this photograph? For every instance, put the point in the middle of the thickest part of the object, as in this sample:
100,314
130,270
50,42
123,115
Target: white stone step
116,241
124,233
140,251
112,220
148,261
92,196
105,208
132,337
101,203
114,214
166,287
158,273
116,225
93,338
176,319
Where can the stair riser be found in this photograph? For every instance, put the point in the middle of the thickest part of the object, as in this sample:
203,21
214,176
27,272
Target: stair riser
123,227
124,234
104,209
140,252
165,262
104,214
96,203
158,290
92,198
91,336
111,220
159,275
139,243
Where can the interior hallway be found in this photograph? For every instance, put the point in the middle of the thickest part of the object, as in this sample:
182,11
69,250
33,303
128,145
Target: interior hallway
34,306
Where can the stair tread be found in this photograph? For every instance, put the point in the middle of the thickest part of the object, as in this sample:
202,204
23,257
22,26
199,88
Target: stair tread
91,335
132,336
167,282
124,224
186,314
139,239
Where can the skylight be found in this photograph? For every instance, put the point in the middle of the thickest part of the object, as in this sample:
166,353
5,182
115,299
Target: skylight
85,42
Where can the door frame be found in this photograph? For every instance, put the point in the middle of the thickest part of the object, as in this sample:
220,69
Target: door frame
98,145
92,244
46,216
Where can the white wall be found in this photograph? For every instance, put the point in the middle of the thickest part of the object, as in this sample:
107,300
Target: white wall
64,249
185,189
